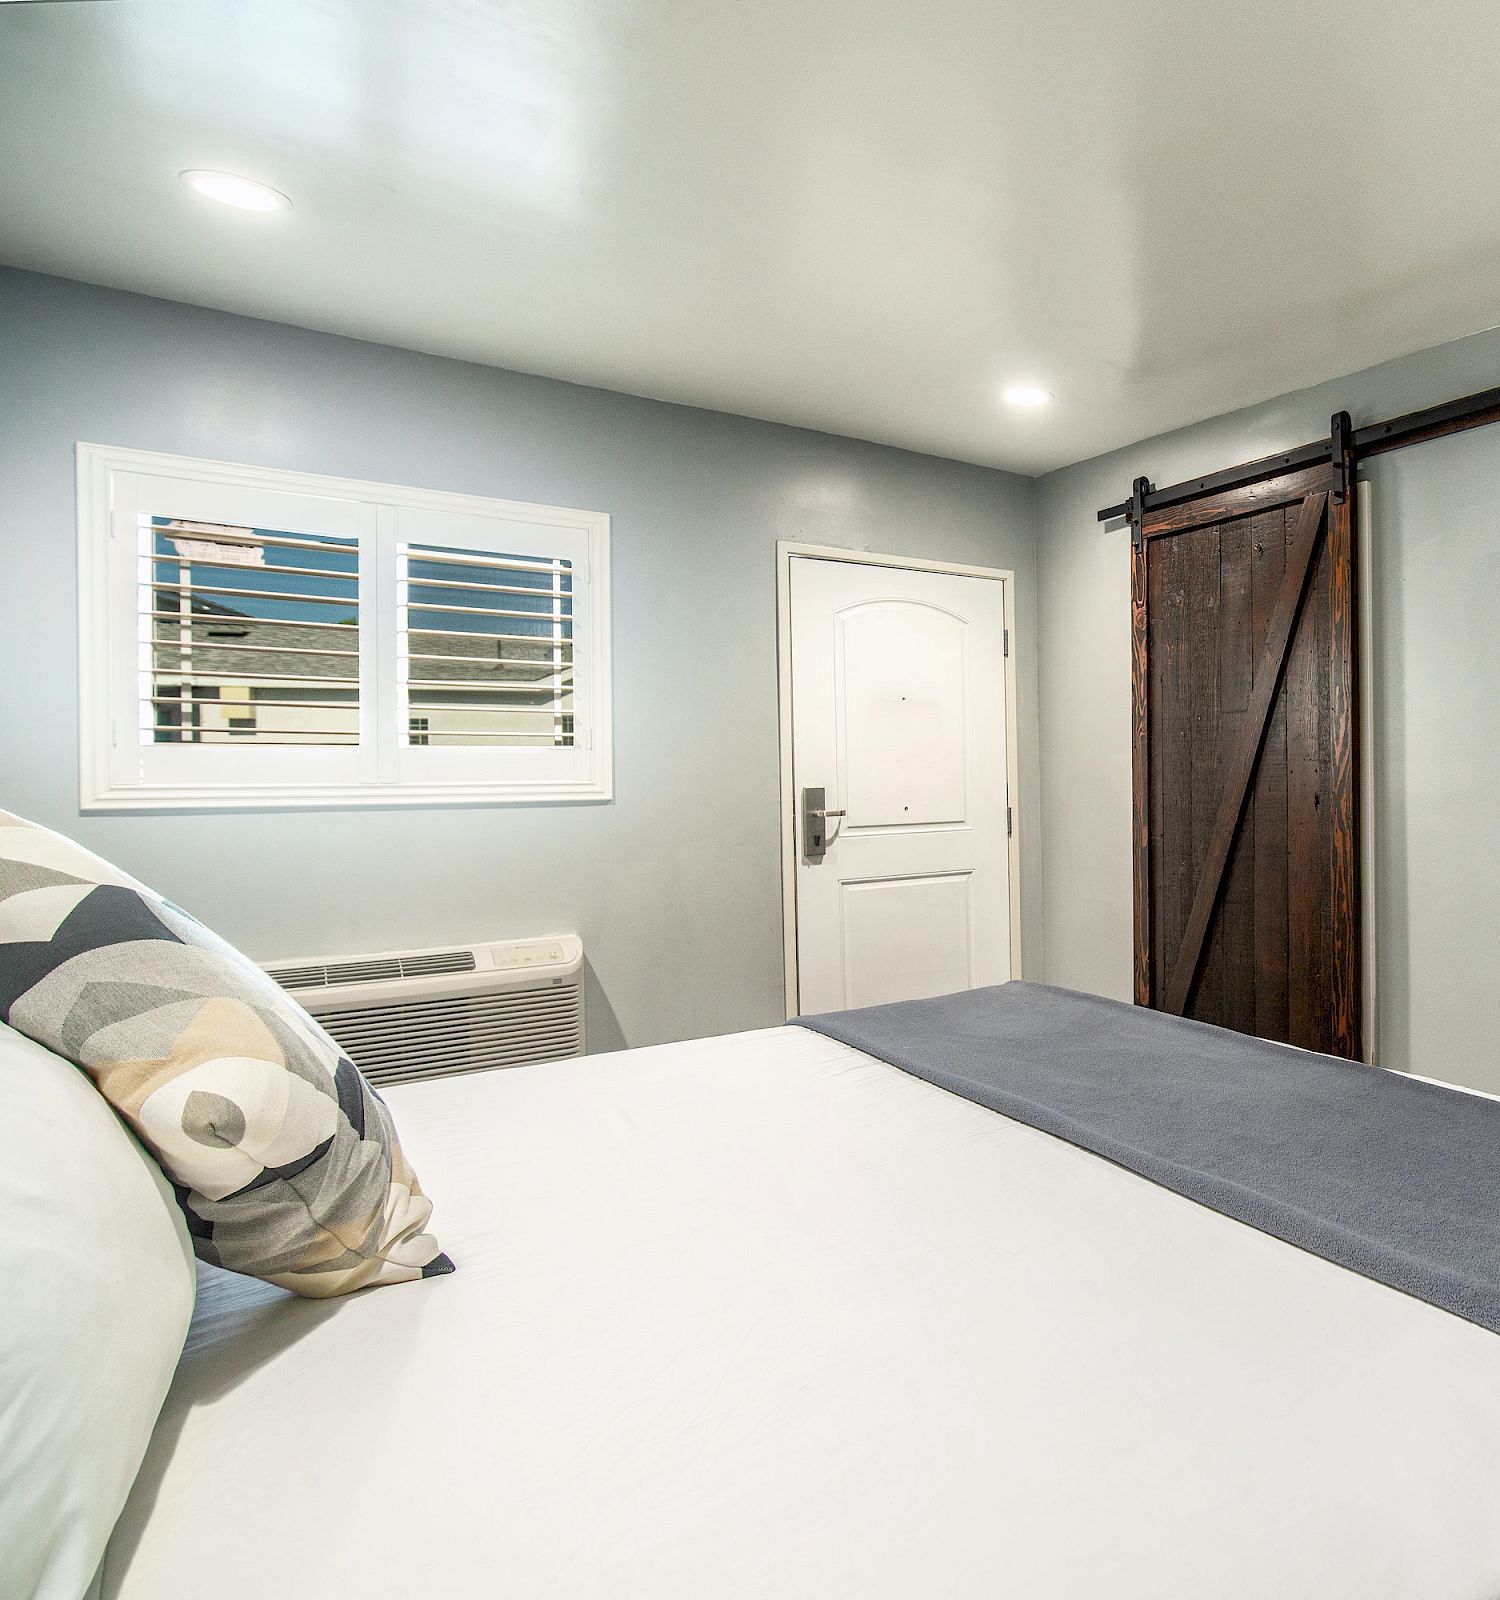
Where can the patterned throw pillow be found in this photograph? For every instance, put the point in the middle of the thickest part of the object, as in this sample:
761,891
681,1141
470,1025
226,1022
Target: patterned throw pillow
284,1159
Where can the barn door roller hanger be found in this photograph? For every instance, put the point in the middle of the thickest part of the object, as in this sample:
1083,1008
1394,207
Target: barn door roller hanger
1335,449
1343,442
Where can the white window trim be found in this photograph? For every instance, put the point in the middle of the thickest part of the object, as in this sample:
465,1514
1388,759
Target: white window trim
96,466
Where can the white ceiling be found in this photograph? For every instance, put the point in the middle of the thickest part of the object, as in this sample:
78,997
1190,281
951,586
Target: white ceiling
857,215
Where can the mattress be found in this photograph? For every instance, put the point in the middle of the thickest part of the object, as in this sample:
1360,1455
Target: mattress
761,1316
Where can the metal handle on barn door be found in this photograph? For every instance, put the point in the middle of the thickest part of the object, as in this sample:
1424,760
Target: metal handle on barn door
815,814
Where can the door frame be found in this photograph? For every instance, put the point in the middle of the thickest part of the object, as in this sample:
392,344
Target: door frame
786,550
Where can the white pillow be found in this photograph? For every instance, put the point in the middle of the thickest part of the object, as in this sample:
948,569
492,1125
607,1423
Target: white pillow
97,1280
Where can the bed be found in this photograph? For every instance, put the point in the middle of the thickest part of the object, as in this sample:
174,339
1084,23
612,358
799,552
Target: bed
764,1316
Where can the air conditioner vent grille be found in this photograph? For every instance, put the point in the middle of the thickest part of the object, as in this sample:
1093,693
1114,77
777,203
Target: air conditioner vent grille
402,1042
437,961
376,970
298,977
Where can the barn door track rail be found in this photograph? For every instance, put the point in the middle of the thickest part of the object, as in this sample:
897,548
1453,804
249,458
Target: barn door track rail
1344,440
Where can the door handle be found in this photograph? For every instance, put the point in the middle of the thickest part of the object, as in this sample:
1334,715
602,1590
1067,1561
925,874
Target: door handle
815,813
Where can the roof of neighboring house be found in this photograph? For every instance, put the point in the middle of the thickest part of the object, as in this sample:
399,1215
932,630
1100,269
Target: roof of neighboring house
227,641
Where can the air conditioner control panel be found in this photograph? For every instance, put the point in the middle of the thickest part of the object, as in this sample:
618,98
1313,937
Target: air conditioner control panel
520,953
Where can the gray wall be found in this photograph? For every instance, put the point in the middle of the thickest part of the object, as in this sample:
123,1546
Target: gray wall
1435,588
675,887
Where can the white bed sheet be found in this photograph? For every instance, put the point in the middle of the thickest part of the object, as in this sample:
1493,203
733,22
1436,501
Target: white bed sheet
759,1316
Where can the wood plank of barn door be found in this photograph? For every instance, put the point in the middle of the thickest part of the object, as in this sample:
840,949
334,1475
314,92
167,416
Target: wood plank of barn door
1235,923
1305,748
1171,754
1205,998
1268,534
1346,953
1140,758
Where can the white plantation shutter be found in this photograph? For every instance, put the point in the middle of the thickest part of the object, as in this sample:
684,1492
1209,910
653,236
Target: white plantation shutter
501,639
484,648
252,636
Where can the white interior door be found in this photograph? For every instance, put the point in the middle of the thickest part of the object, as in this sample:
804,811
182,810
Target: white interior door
898,713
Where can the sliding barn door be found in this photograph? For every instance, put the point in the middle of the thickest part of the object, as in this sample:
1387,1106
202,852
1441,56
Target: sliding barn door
1246,761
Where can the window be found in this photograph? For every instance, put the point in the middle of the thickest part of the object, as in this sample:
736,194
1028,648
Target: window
257,637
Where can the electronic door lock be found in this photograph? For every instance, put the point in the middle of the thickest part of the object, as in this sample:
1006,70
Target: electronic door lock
815,815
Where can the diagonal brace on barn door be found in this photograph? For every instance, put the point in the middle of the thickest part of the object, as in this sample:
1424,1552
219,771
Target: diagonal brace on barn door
1245,756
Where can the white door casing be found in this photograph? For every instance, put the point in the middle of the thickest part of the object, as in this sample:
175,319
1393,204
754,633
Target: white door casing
896,702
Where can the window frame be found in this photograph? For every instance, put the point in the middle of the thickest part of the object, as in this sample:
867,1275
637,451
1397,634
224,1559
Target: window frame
110,776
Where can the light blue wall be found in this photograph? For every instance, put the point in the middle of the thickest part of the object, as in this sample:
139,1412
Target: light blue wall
676,886
1435,588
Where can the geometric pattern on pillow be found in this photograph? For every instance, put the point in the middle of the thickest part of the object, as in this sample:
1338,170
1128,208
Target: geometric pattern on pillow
284,1160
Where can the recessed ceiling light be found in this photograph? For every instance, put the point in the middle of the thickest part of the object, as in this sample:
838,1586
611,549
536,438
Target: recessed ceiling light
229,190
1025,394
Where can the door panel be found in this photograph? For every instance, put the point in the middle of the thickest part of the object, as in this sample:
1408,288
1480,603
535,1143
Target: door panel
898,713
882,962
902,746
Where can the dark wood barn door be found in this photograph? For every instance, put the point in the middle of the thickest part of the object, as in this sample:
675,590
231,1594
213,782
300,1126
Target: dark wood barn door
1246,761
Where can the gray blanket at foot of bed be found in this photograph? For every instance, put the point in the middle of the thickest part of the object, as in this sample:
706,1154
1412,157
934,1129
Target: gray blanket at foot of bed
1391,1177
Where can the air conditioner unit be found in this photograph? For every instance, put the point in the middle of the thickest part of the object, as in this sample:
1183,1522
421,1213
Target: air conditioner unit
404,1014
